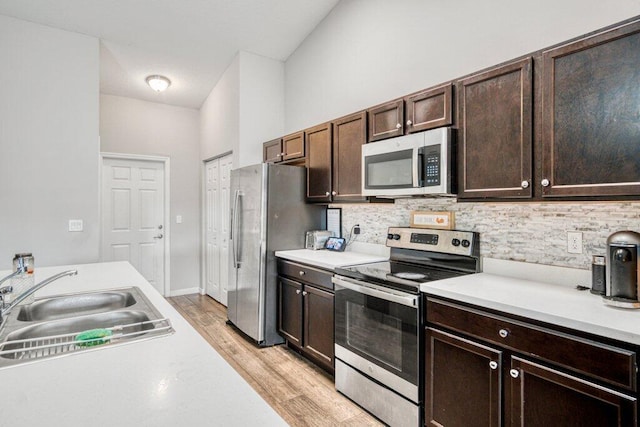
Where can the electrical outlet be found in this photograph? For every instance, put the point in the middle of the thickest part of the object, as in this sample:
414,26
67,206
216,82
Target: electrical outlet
574,242
75,225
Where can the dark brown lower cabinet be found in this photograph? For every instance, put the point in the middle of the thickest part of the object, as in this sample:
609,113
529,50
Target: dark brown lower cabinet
290,313
487,369
305,312
543,396
462,382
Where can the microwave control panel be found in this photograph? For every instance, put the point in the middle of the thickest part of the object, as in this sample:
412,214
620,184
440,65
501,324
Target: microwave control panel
431,157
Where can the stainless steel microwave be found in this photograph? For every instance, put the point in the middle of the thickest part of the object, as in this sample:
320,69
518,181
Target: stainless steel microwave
416,164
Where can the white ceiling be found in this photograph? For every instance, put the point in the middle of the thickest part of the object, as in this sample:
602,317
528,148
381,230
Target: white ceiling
190,41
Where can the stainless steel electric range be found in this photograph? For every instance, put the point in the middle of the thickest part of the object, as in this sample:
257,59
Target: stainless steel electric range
379,321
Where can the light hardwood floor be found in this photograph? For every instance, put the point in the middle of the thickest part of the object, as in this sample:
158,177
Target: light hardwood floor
303,394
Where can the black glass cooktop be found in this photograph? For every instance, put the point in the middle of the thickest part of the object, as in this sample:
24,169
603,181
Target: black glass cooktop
394,274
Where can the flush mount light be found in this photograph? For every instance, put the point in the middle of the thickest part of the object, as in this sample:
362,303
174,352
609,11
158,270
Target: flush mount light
158,83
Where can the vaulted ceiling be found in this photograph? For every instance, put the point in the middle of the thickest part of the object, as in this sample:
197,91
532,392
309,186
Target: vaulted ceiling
191,42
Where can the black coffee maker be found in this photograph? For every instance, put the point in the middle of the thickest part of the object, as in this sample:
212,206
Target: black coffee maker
623,273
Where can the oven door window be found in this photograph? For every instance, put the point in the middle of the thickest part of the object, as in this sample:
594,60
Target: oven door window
383,332
389,170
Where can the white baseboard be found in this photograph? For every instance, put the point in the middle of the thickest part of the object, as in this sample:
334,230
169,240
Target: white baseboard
187,291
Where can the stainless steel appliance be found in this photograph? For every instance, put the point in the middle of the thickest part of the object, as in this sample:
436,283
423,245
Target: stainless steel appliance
379,321
315,239
419,163
268,213
623,269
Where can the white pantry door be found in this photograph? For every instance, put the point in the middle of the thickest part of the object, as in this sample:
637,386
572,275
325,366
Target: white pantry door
217,183
133,216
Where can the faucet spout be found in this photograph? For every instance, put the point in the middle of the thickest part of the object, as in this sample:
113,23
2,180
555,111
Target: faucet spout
6,310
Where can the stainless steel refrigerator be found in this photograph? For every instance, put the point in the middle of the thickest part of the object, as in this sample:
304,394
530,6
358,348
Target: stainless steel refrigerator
268,213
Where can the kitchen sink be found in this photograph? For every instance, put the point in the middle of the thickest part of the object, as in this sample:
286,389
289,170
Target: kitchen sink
50,326
74,305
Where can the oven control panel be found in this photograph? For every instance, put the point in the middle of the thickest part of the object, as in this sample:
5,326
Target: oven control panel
444,241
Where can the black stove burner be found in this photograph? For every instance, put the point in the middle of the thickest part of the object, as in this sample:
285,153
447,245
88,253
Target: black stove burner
409,276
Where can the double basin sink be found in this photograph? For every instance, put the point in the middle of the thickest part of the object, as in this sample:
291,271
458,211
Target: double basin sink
50,326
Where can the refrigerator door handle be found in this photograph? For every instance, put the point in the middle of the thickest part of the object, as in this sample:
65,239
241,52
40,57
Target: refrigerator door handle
234,233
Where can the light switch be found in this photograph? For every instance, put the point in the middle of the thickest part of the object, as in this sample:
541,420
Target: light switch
75,225
178,219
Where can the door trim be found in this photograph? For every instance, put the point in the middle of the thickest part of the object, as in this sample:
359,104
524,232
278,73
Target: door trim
167,211
203,218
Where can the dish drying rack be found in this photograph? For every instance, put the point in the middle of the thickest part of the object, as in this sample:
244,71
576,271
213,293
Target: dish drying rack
36,348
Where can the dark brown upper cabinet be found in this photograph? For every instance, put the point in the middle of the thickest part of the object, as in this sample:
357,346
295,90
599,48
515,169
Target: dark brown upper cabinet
293,146
349,134
495,132
318,145
427,109
591,115
272,151
386,120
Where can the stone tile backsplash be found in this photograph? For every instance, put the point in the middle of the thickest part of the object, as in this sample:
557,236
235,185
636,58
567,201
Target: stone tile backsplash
529,232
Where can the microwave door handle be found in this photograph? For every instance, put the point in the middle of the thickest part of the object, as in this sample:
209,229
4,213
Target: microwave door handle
416,167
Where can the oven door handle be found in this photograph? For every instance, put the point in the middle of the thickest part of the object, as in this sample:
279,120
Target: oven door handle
410,301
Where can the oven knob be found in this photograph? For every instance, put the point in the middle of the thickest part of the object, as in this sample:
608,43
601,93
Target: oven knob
455,242
396,237
466,243
389,236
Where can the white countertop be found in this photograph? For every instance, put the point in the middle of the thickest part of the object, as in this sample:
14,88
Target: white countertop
175,380
329,259
551,303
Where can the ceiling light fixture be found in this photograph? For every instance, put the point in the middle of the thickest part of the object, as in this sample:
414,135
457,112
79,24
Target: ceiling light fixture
158,83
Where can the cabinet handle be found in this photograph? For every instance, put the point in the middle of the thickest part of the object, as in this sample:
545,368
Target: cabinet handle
503,333
514,373
333,193
409,122
525,184
398,126
305,293
297,291
302,273
493,365
545,182
326,193
279,154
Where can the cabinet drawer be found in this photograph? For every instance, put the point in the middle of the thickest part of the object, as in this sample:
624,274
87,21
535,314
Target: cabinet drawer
317,277
610,364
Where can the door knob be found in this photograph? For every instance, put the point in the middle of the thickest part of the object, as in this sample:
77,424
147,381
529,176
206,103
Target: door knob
159,236
398,126
160,227
409,122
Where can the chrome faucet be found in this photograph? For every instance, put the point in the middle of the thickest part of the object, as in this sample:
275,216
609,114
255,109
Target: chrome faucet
6,308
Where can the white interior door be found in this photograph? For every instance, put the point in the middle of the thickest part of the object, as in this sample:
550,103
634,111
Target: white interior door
217,182
133,216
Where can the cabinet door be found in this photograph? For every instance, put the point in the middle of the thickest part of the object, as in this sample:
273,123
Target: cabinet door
429,109
290,310
349,134
272,151
318,146
462,382
293,146
386,121
541,396
318,323
495,133
591,120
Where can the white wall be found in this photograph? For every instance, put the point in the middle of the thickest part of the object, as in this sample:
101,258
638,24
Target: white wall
48,143
244,109
220,115
261,105
139,127
370,51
